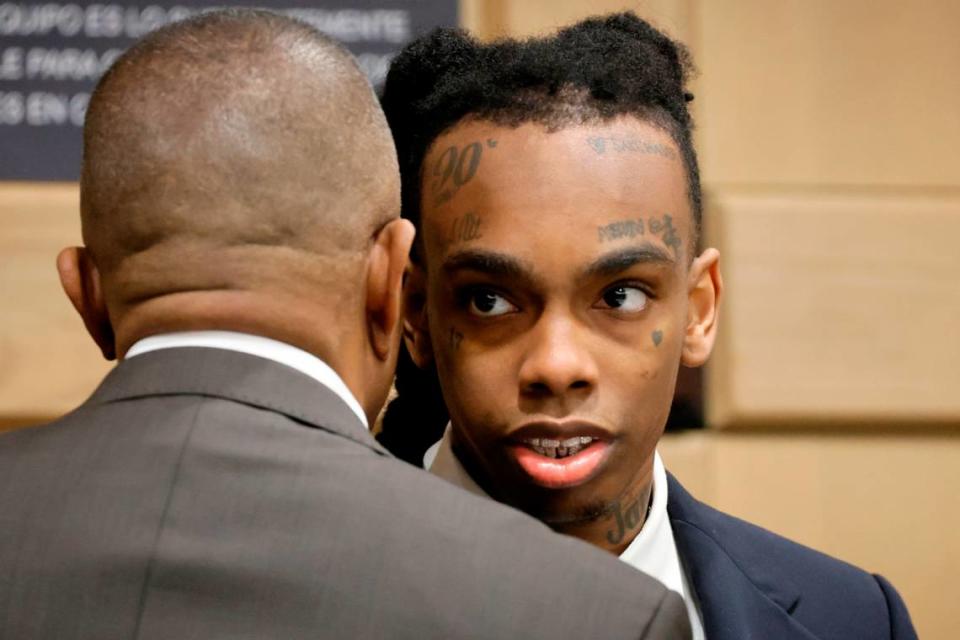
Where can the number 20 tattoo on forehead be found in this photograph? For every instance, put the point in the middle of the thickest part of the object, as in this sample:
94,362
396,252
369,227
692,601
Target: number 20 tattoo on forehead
455,167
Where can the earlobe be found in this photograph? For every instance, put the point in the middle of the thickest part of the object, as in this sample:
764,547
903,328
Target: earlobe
704,292
81,282
416,332
388,260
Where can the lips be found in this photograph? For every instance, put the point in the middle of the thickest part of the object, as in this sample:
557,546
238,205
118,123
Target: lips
560,455
559,448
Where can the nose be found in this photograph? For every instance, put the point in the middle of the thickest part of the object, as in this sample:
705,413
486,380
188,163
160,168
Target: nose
558,362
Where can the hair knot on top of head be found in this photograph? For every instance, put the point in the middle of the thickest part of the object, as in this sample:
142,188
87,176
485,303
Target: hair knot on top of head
595,70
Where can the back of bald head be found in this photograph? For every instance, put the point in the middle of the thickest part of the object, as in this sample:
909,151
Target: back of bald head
237,149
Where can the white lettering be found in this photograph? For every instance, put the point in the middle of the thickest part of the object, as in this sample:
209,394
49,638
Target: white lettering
141,22
40,19
353,25
41,109
69,19
77,109
11,108
95,20
68,64
104,21
46,109
11,63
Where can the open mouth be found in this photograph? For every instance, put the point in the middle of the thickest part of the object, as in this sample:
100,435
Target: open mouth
559,448
556,462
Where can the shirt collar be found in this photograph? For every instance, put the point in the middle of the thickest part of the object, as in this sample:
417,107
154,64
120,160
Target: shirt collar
281,352
653,551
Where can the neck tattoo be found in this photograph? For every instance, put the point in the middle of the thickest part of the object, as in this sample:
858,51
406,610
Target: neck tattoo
627,519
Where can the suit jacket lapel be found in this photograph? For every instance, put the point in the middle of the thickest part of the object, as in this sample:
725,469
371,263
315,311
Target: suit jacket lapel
240,377
739,598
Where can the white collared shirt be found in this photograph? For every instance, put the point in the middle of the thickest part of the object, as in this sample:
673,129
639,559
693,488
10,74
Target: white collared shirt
653,551
267,348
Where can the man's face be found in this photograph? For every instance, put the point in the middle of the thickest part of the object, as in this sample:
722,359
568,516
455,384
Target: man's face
558,284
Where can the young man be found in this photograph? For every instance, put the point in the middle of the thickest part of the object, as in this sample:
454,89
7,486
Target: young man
244,257
558,287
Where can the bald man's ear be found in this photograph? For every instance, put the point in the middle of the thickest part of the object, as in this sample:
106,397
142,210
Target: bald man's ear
705,287
416,332
388,261
81,282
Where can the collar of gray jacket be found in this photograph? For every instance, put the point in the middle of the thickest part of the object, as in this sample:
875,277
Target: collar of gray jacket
239,377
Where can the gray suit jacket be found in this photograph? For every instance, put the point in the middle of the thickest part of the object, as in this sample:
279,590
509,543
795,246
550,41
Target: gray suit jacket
202,493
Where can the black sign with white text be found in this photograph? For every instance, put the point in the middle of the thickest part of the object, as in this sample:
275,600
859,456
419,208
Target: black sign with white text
51,56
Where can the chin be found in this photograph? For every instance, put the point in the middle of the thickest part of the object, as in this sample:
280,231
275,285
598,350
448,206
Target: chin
565,510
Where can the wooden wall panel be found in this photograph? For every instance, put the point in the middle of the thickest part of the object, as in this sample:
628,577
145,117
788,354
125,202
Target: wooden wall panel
828,137
881,502
498,18
48,364
858,92
838,307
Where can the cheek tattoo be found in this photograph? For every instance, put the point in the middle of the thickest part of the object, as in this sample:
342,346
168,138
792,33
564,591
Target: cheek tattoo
455,339
657,337
455,167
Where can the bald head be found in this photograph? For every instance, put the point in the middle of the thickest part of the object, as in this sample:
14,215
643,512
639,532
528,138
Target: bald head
238,174
233,138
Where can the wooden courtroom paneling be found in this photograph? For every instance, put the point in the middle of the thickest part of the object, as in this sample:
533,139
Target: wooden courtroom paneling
48,364
882,502
498,18
855,92
838,307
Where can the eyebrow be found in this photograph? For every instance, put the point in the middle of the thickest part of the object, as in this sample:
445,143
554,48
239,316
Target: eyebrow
622,259
489,262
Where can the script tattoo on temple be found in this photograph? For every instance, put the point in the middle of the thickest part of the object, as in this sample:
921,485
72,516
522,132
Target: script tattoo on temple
627,520
636,227
612,144
455,167
465,228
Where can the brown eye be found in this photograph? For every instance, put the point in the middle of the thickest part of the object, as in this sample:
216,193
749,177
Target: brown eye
624,298
487,303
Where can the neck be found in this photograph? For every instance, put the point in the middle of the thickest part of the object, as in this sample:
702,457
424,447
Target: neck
611,528
620,524
310,327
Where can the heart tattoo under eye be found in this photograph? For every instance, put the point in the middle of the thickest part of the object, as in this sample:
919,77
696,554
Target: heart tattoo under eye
657,337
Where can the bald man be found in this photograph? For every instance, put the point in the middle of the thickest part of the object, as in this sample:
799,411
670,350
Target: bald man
243,259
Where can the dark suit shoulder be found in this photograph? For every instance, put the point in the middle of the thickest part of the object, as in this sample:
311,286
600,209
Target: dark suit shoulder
828,595
749,544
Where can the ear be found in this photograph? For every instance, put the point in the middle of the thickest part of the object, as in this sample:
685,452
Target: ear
704,291
416,331
388,261
81,282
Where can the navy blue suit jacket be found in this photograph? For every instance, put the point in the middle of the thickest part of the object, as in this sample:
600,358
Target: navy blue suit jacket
755,585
